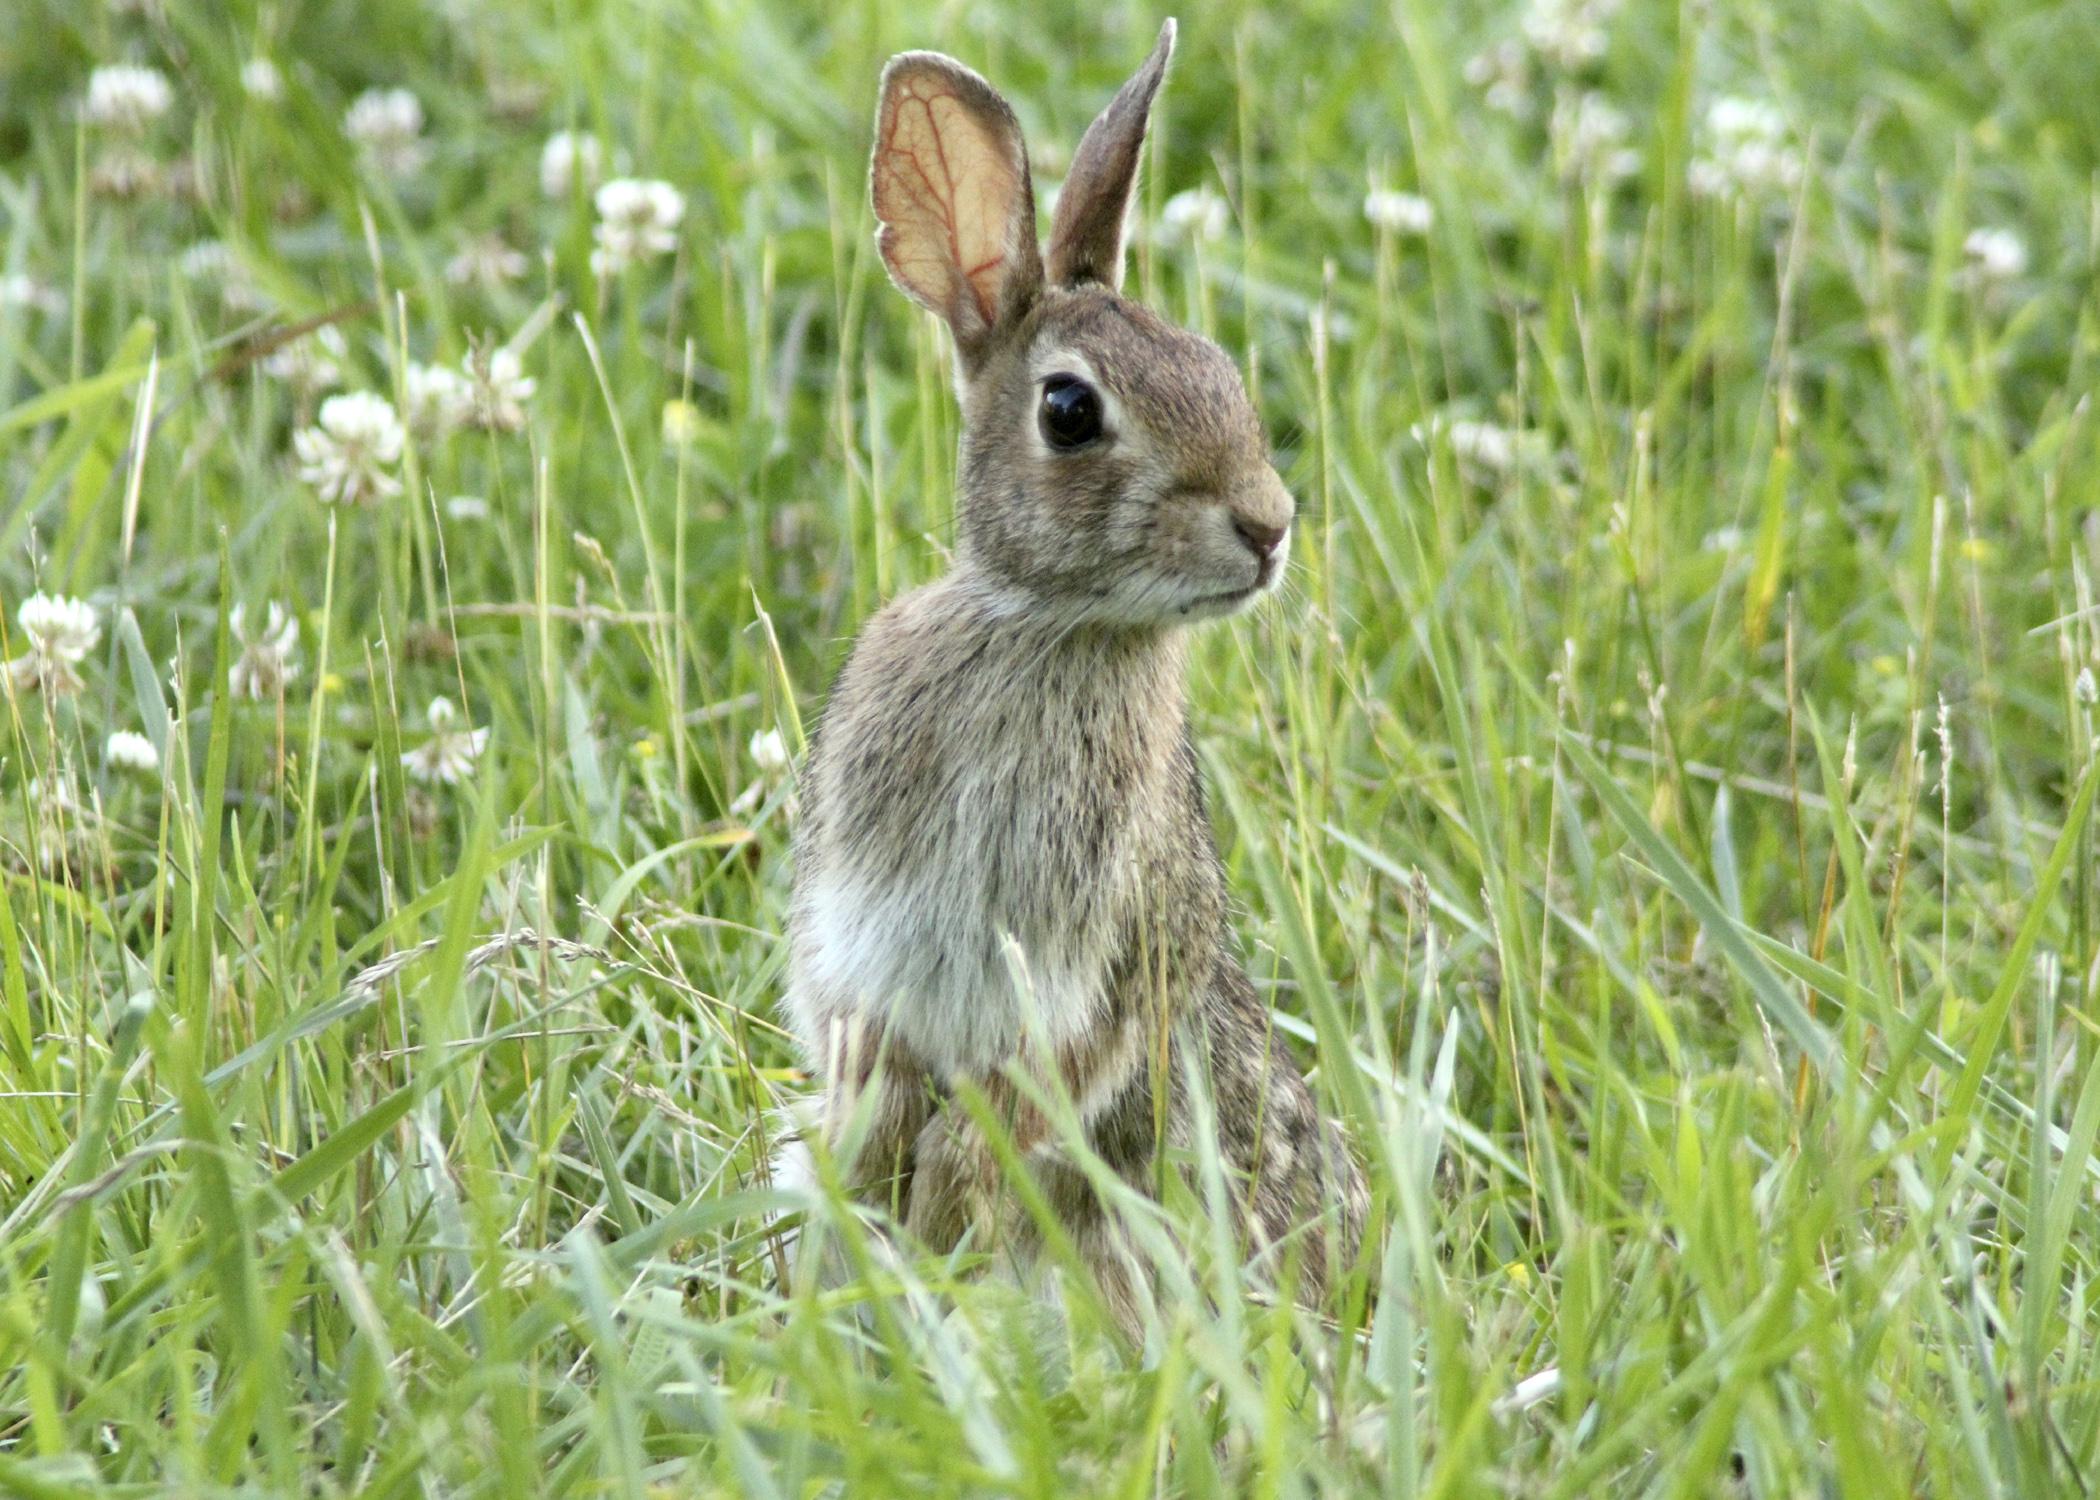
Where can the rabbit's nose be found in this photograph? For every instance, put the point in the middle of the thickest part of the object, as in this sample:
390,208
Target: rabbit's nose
1261,538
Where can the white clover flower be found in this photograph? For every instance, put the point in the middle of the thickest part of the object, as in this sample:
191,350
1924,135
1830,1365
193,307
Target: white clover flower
769,755
1591,133
1483,443
769,752
387,125
1485,451
1706,178
206,260
498,389
127,97
60,632
1196,214
1503,75
467,508
1733,118
264,84
569,159
1569,34
23,290
1746,152
348,455
637,221
128,750
1400,213
439,399
310,364
448,756
486,262
267,660
1994,254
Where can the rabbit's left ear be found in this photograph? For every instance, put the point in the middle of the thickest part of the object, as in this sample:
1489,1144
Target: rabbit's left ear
1086,236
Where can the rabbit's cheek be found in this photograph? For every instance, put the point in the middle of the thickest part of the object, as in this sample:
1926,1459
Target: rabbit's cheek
1130,534
1092,523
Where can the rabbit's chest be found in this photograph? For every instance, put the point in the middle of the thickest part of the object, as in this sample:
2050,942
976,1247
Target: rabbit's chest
983,910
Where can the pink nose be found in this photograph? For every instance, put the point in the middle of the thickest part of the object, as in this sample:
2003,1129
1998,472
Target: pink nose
1262,540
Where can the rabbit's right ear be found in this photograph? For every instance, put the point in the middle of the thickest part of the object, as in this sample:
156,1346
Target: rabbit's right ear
952,197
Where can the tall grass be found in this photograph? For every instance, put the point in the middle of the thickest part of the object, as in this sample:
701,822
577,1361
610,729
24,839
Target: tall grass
1660,816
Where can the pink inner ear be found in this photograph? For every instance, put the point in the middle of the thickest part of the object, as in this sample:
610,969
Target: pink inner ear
946,192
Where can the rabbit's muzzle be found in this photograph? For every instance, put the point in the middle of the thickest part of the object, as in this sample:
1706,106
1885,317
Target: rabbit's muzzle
1261,518
1239,547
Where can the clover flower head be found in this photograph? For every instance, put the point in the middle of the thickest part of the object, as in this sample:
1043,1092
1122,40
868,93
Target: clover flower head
769,752
262,80
350,452
1400,213
20,289
60,632
1591,133
1197,213
1994,254
1569,34
498,389
387,125
1503,75
448,756
128,750
438,398
769,755
569,159
268,659
126,97
1747,152
637,221
310,364
1485,451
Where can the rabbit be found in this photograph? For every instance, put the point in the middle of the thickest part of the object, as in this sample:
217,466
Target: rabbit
1004,859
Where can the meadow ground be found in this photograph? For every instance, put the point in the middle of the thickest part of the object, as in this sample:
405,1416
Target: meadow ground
1658,809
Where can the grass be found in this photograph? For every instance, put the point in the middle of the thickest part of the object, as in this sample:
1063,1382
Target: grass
1667,834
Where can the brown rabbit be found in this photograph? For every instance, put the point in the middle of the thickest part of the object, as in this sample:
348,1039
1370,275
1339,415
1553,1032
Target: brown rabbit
1005,858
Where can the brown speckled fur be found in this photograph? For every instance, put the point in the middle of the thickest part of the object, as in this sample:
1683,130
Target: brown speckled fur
1005,859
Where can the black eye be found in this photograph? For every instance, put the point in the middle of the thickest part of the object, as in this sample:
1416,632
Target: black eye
1071,412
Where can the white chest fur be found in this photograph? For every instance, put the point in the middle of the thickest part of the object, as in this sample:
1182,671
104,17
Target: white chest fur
973,874
978,929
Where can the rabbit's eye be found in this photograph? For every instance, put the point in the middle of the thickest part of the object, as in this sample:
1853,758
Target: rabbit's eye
1071,412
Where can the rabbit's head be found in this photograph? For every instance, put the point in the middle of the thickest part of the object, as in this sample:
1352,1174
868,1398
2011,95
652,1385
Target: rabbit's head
1113,468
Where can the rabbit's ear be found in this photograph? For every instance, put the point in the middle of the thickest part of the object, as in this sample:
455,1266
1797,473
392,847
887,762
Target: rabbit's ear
1086,236
952,197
